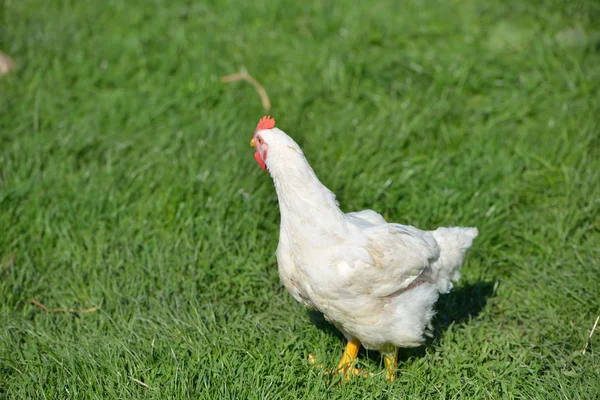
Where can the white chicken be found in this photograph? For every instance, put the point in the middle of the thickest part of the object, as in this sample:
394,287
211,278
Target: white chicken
377,282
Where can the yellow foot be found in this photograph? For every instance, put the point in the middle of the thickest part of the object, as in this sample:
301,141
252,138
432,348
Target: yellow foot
345,367
349,372
313,360
346,372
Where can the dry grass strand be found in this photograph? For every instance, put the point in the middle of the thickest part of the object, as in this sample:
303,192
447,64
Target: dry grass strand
244,76
71,310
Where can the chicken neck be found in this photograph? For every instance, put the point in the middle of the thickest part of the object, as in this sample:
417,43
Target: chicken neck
306,205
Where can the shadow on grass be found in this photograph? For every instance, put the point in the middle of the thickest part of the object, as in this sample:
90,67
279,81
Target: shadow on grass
460,305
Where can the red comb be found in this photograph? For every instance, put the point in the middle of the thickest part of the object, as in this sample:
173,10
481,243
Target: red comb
265,123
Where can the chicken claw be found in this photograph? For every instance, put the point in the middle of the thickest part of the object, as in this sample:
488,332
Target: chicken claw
313,360
345,367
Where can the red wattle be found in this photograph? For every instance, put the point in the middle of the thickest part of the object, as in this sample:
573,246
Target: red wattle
260,161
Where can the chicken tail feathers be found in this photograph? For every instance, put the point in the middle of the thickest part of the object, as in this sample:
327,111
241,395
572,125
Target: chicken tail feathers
454,243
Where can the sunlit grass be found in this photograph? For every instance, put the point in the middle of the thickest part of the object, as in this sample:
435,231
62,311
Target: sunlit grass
127,183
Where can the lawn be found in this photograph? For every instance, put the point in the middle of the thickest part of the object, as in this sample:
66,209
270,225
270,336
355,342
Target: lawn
127,183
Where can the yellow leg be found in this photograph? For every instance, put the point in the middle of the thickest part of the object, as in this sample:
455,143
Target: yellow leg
390,365
345,367
349,355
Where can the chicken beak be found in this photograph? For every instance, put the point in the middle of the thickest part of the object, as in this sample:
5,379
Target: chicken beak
252,142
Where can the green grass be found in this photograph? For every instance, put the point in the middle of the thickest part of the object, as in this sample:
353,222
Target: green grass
127,182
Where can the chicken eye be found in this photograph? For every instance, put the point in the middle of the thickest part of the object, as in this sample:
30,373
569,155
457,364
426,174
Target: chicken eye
260,141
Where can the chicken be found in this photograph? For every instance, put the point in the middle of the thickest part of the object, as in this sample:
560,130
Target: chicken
377,282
